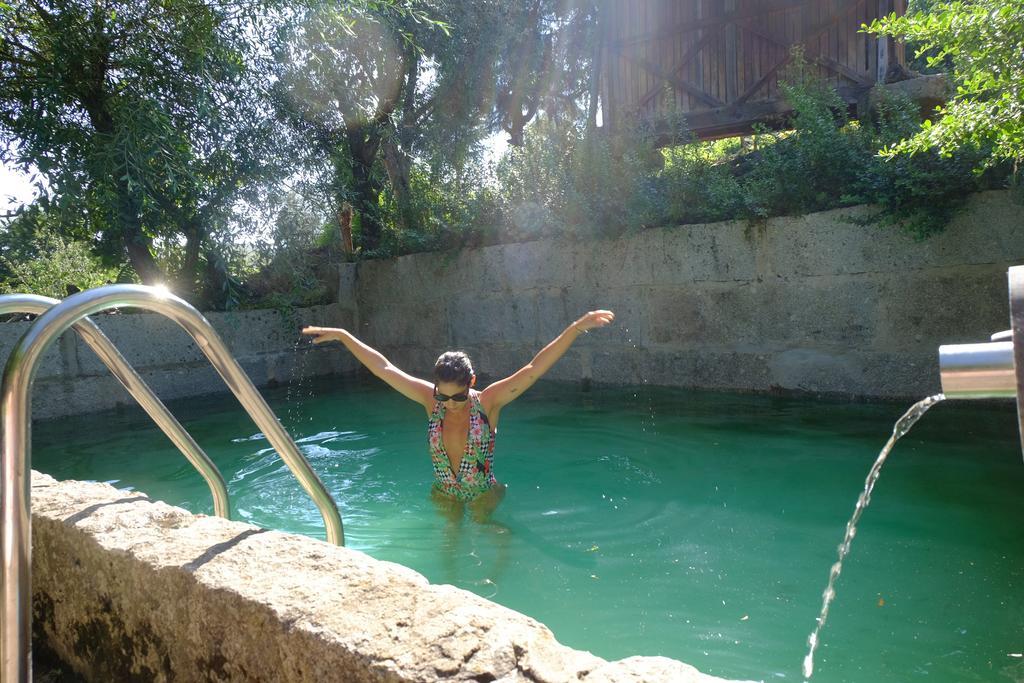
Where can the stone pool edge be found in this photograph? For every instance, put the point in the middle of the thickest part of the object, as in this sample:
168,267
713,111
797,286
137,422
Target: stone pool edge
127,587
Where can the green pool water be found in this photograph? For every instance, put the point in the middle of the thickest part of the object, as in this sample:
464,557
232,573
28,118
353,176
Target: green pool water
699,526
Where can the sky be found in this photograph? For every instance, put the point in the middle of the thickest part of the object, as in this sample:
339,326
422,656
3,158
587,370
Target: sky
14,183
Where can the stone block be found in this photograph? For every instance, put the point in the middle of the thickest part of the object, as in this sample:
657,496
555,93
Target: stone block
677,317
333,315
766,315
672,368
144,339
184,381
814,370
383,282
828,243
52,397
711,252
553,313
602,265
56,361
630,327
496,361
528,265
507,317
59,397
742,370
923,310
839,312
419,361
253,332
856,373
466,270
989,231
731,370
727,315
619,366
347,281
407,323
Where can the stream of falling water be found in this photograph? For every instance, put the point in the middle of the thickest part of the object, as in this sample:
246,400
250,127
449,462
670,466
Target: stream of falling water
902,426
296,388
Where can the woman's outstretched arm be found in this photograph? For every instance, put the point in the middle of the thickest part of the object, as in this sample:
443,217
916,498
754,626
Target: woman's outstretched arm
507,390
411,387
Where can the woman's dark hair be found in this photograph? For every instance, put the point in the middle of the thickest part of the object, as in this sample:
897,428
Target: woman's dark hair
453,366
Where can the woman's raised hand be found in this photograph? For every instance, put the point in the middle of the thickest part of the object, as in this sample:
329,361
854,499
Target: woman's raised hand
322,334
594,319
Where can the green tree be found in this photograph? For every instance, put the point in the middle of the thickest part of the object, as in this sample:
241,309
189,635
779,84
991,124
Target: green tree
371,96
983,42
36,258
343,75
145,117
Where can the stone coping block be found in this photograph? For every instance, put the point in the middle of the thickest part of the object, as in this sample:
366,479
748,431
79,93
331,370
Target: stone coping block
126,588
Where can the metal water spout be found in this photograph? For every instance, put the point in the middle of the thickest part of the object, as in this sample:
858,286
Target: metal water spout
993,369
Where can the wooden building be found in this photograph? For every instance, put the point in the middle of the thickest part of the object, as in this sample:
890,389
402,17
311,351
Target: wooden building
718,62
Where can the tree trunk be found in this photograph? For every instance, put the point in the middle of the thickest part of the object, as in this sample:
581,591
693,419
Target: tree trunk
96,102
399,167
345,227
397,159
185,286
363,144
137,244
143,262
596,67
219,292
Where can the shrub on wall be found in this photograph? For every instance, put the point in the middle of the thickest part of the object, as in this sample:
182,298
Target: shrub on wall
565,181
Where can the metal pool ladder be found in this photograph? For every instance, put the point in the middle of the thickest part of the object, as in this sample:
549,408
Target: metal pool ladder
93,336
16,408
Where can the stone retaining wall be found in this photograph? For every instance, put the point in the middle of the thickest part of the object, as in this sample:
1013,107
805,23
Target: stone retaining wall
125,588
808,304
71,379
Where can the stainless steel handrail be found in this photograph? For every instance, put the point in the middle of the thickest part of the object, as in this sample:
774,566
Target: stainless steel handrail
140,391
16,458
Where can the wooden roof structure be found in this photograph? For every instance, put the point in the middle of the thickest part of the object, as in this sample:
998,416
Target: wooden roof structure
718,62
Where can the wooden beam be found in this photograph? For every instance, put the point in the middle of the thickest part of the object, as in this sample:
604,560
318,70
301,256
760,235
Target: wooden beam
883,43
670,78
729,121
677,70
723,122
709,22
842,70
730,53
812,34
827,62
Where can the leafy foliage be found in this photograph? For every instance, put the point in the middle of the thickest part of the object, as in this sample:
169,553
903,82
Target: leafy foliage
380,100
144,117
565,181
983,42
36,259
295,270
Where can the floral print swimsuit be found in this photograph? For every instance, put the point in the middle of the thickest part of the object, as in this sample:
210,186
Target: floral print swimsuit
475,475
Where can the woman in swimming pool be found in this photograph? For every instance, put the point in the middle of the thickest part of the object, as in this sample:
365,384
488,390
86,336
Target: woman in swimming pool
462,422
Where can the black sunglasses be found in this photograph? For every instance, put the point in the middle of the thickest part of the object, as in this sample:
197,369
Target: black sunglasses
458,398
